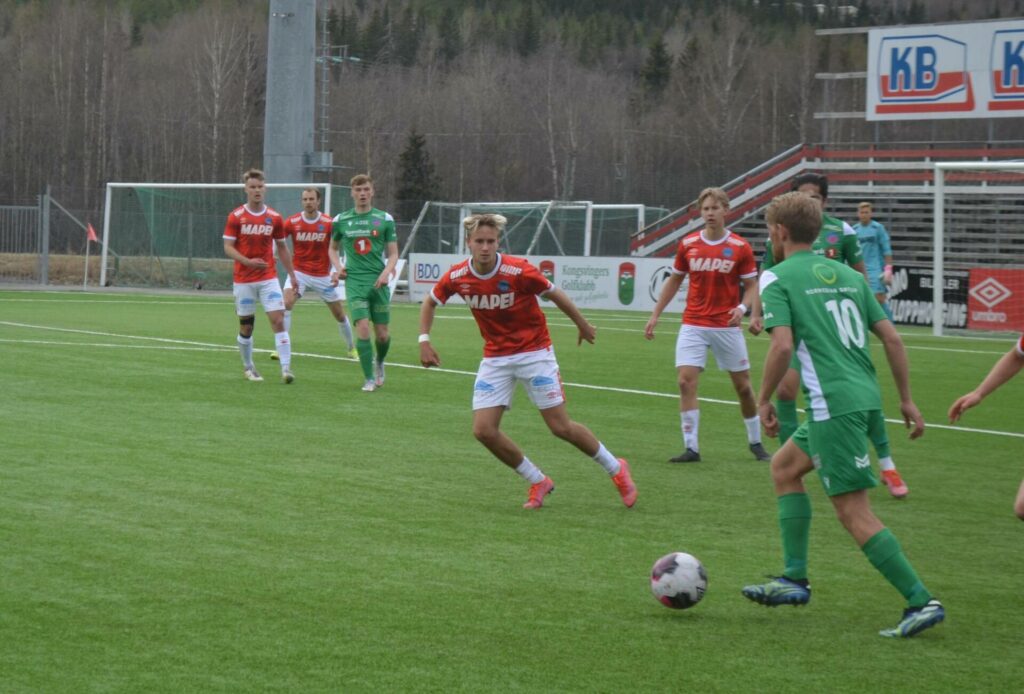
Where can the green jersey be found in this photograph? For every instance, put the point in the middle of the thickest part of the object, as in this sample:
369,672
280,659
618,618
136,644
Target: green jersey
830,308
364,239
836,240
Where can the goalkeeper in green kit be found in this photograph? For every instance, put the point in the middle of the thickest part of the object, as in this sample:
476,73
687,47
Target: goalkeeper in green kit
820,310
366,236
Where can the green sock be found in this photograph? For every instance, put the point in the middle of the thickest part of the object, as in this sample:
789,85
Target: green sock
885,554
382,349
365,349
795,523
788,421
880,438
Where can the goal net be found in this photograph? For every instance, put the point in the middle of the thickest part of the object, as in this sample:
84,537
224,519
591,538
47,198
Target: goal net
171,234
978,246
579,228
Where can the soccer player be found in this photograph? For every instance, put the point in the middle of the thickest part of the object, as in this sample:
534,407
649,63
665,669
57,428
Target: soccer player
314,260
366,234
249,237
836,240
877,251
719,264
502,294
821,310
1008,366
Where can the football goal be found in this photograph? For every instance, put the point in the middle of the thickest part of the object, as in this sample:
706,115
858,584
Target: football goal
550,227
171,234
978,266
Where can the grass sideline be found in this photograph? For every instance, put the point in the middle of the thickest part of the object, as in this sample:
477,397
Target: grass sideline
167,526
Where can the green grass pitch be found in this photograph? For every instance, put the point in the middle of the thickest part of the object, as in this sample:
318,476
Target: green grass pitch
167,526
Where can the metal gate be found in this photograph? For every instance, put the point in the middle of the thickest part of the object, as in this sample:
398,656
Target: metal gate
20,239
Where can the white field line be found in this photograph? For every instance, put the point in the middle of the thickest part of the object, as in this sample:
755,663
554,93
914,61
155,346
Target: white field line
173,344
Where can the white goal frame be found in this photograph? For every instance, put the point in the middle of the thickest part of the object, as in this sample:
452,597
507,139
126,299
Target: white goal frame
939,219
240,187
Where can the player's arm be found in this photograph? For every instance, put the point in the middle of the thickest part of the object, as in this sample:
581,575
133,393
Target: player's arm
285,256
896,355
236,255
338,272
428,355
1008,366
749,297
886,246
668,290
776,364
389,267
566,306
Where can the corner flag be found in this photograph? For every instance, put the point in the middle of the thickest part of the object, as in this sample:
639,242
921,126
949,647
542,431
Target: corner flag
92,233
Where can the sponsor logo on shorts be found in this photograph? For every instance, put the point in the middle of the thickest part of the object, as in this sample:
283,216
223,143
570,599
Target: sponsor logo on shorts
483,387
861,461
541,381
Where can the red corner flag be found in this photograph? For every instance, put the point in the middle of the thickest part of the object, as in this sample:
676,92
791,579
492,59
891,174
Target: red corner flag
92,233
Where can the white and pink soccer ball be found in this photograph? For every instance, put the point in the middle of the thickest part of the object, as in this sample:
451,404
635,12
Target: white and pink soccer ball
678,580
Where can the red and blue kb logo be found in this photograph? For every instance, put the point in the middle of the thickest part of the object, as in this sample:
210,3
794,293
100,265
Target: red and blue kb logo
1007,68
923,73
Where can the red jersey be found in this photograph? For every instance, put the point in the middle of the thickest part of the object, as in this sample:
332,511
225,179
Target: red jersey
503,302
310,243
254,236
715,269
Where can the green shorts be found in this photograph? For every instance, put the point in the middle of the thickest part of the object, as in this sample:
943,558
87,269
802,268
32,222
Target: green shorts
368,302
838,447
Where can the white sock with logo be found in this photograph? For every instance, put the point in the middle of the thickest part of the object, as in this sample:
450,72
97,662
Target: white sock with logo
886,463
345,328
690,420
287,321
284,350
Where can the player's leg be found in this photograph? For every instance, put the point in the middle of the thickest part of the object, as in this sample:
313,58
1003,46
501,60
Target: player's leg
730,350
290,297
785,403
359,304
544,387
344,326
1018,505
380,314
492,395
880,441
245,308
692,346
840,445
788,467
273,305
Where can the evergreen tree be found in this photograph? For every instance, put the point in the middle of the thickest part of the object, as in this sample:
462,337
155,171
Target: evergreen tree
528,31
657,69
417,182
408,37
450,36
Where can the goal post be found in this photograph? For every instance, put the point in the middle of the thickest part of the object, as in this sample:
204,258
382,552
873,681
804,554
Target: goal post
170,234
978,233
546,227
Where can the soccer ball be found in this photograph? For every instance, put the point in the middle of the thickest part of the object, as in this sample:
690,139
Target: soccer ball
678,580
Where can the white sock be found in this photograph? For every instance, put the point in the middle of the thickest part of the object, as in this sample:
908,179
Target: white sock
345,328
606,460
529,472
245,349
284,350
753,425
690,420
287,321
886,463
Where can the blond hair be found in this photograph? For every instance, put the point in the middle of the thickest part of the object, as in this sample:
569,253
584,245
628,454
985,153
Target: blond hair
475,221
799,213
865,204
360,180
253,173
716,193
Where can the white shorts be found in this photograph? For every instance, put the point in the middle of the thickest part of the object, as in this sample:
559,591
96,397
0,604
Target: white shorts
320,284
268,292
537,371
726,344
